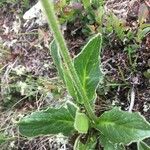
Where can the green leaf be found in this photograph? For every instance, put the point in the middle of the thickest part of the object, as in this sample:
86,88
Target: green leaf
89,145
63,73
142,33
147,74
87,66
108,145
70,86
56,58
143,146
145,31
50,121
79,145
86,3
123,127
99,15
81,123
72,108
3,139
87,69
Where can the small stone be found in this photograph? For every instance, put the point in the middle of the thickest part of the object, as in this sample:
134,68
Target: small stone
35,13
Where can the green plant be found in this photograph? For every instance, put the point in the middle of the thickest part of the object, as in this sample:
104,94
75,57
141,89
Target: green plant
67,10
86,4
89,3
4,138
113,129
4,2
142,32
26,4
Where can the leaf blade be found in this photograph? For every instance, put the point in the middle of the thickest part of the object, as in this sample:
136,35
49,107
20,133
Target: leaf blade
123,127
87,66
108,145
50,121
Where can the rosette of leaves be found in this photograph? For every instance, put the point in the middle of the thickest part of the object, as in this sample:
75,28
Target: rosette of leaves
81,75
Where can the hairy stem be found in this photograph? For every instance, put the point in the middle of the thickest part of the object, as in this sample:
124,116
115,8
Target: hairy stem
48,8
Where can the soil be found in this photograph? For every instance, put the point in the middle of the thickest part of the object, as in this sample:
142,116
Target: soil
27,45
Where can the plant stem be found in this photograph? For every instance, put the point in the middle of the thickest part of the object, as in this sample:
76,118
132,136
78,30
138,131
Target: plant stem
48,8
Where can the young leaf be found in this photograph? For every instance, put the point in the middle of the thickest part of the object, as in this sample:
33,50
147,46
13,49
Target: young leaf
143,146
81,123
87,66
50,121
123,127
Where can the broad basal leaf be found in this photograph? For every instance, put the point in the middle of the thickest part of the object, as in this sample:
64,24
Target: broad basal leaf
123,127
143,146
87,66
50,121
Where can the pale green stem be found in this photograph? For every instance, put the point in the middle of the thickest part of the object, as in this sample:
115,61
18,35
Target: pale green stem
48,8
